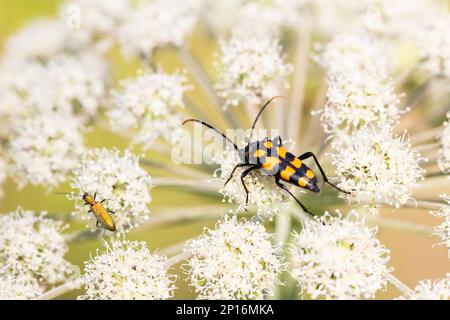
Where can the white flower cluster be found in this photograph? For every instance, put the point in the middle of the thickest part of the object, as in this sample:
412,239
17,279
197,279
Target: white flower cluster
434,44
359,93
268,198
44,148
234,261
337,258
24,46
120,181
402,19
17,287
251,69
353,51
157,23
428,290
444,152
151,103
377,166
32,251
357,100
95,22
127,271
66,84
443,230
263,17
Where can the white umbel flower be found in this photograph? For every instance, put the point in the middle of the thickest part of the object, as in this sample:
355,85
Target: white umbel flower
44,148
259,17
353,52
127,271
434,45
428,290
18,287
358,100
337,258
443,230
377,166
32,248
444,152
151,103
67,84
98,21
120,180
268,198
39,40
156,24
234,261
251,69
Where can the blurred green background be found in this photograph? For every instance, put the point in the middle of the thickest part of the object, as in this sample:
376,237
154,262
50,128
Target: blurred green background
413,256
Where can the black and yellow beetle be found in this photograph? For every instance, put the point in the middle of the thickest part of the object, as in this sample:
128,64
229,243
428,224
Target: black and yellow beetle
273,159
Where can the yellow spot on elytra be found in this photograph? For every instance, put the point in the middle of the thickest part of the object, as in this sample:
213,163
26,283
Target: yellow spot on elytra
259,153
287,173
302,182
282,152
268,144
270,163
296,163
310,174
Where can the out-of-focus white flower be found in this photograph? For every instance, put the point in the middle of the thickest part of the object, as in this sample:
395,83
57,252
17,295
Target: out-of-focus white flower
402,19
443,230
99,20
18,287
44,148
127,270
337,258
39,40
377,166
428,290
158,23
444,158
434,45
251,69
356,100
32,248
268,198
353,52
151,103
120,181
234,261
256,17
67,84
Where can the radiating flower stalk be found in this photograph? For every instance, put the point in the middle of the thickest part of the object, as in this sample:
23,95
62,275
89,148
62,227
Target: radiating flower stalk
358,99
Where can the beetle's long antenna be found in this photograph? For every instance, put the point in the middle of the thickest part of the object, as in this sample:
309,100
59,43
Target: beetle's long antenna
215,129
259,114
81,186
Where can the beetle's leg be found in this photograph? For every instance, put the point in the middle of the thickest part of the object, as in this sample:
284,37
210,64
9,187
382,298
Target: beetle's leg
95,195
307,155
282,186
243,175
103,200
278,140
240,165
110,211
97,224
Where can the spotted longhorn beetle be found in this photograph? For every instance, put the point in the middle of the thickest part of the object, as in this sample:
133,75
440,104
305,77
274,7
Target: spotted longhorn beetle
273,159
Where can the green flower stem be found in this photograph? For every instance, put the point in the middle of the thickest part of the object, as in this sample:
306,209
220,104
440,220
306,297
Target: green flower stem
61,289
177,259
205,83
403,288
426,136
186,171
296,101
400,225
199,185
